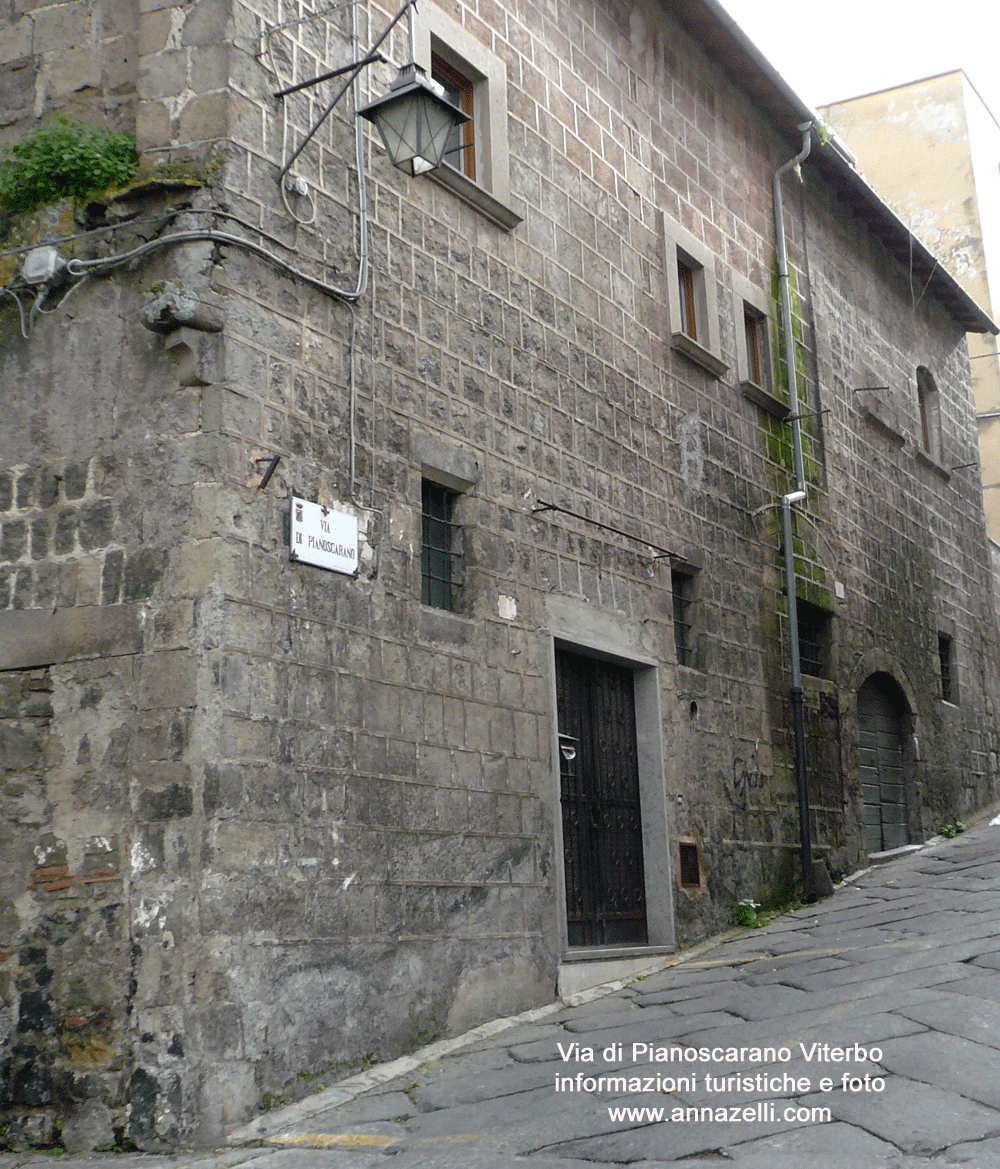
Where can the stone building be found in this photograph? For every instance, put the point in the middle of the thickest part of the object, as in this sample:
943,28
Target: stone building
264,820
930,149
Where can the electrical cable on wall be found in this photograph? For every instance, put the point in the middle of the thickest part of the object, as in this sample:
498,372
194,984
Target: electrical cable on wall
359,148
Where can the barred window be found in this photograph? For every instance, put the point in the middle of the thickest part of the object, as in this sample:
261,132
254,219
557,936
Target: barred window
682,588
946,659
814,639
440,548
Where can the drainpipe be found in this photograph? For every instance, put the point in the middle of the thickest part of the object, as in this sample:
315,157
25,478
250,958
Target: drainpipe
787,502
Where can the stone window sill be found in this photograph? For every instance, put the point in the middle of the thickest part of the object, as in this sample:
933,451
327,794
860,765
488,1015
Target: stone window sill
926,460
600,953
767,402
442,625
698,354
475,196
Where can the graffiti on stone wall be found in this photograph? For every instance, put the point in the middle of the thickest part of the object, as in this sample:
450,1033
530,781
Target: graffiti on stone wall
743,786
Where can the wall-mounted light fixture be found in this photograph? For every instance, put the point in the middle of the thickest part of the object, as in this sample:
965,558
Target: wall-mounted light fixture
414,118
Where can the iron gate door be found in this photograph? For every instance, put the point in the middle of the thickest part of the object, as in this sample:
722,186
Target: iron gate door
602,825
880,749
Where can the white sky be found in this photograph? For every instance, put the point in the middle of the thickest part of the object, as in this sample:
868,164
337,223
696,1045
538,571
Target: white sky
843,48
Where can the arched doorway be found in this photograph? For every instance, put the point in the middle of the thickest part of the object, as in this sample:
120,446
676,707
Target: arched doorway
883,733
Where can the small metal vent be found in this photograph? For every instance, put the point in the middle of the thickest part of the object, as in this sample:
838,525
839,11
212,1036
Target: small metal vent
690,868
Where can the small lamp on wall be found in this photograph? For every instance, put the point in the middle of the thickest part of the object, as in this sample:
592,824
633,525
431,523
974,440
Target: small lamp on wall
415,120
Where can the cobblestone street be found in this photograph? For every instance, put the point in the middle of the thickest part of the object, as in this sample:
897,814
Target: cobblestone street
904,960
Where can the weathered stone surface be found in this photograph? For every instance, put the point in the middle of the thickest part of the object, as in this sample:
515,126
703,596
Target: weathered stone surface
92,1127
33,638
336,807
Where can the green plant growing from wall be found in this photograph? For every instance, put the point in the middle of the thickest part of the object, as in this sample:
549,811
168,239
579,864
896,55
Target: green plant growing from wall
61,159
746,913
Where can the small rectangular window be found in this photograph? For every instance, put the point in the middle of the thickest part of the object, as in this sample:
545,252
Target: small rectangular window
754,328
929,405
689,302
441,548
460,151
814,639
692,299
474,76
682,588
946,660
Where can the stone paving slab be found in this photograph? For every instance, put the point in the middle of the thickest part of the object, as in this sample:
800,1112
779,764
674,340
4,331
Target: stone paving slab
665,1141
991,959
832,1146
540,1122
931,950
826,1018
467,1088
460,1156
545,1050
979,986
771,971
915,1117
637,1016
692,977
975,1020
983,1154
904,970
958,1065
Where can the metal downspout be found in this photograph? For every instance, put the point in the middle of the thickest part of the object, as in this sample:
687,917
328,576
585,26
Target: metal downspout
793,497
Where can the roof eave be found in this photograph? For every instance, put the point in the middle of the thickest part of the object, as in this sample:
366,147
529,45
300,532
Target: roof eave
728,44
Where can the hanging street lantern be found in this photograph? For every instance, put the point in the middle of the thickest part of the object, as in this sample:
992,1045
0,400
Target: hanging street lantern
415,120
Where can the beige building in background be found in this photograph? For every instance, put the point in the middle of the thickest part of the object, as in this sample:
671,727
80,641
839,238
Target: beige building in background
932,150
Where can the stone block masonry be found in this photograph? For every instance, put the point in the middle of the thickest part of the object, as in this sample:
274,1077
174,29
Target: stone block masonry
267,822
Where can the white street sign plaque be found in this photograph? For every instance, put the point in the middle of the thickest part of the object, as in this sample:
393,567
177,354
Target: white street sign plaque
328,539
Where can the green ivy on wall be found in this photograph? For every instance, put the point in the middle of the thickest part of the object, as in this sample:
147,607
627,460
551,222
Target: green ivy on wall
64,158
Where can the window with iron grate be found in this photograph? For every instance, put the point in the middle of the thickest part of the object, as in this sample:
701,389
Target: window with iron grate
441,548
814,639
682,590
946,660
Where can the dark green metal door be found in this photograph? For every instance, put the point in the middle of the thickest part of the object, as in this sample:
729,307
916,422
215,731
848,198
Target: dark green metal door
880,748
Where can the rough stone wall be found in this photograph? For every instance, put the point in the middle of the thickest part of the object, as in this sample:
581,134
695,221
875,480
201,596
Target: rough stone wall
330,811
97,612
79,59
913,565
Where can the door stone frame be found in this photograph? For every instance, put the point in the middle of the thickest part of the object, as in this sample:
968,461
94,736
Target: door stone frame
578,628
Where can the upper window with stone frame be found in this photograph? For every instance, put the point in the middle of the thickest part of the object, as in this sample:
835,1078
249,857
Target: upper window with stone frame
477,165
752,311
692,299
929,407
